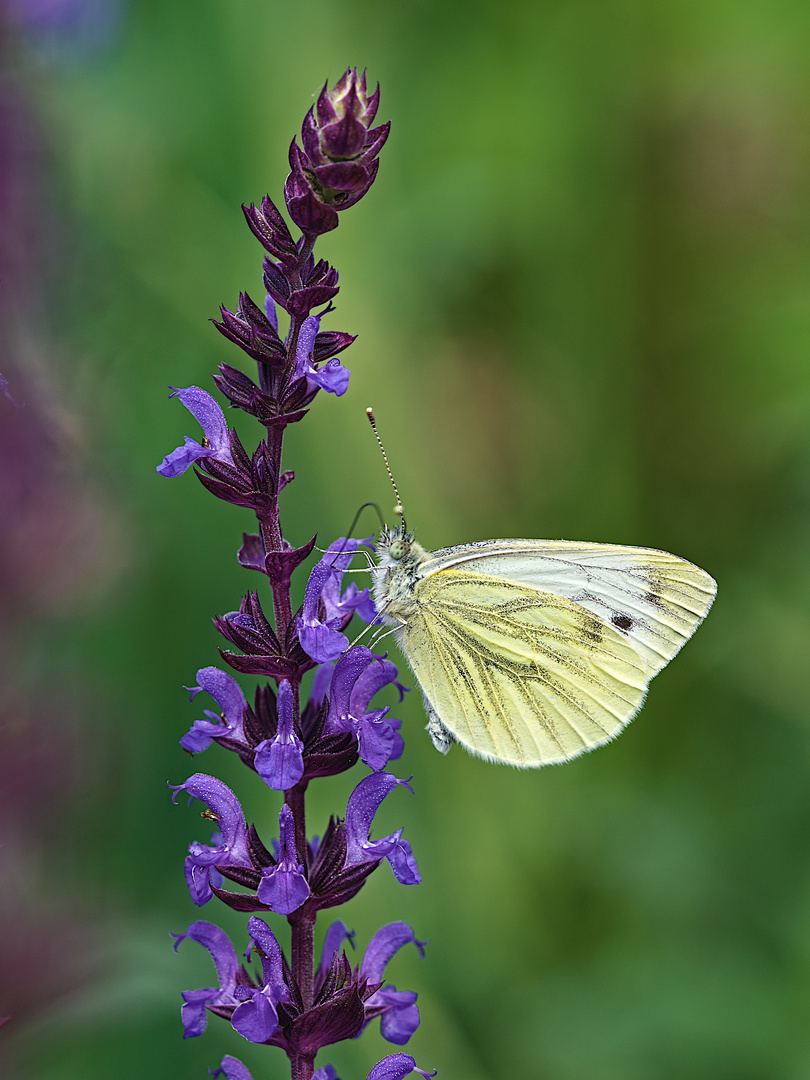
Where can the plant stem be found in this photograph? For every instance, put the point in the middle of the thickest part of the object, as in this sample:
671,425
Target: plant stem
302,921
303,1066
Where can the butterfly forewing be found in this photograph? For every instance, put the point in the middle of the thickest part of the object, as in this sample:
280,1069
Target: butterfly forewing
518,673
654,599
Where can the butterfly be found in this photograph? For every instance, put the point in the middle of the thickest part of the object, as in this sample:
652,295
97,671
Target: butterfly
534,651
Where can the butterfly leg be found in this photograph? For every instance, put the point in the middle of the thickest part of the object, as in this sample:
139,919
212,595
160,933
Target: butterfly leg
442,738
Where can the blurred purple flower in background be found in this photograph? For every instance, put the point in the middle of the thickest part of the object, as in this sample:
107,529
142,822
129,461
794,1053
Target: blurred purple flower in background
60,549
61,31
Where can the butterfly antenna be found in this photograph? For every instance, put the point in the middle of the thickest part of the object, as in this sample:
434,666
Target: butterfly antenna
355,519
398,508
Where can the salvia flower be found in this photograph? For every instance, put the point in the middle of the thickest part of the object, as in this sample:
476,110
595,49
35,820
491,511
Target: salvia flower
331,376
280,761
284,886
396,1067
250,1005
195,1002
357,677
232,850
256,1017
228,695
216,440
399,1016
327,612
268,1007
336,599
393,1067
232,1069
363,804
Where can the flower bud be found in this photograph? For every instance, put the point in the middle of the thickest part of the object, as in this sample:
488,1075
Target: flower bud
338,162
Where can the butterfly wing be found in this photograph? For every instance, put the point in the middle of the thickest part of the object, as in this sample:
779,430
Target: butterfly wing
654,599
516,673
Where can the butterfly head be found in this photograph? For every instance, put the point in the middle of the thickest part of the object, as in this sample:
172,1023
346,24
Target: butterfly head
397,548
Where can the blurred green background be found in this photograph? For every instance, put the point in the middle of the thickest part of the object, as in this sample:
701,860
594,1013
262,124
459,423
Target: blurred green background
581,285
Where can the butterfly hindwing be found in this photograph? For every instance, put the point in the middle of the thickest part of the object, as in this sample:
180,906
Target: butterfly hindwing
517,673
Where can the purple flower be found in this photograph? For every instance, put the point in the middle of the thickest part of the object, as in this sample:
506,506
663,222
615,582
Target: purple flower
399,1016
337,933
5,392
232,1069
216,441
397,1009
228,695
331,376
224,956
322,638
224,807
360,810
251,1007
395,1067
357,677
61,30
284,887
280,761
271,311
321,684
256,1017
351,599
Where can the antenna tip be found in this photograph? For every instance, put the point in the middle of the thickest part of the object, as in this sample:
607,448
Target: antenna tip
398,510
370,413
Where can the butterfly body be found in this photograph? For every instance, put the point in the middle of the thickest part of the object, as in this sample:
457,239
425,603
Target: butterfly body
533,651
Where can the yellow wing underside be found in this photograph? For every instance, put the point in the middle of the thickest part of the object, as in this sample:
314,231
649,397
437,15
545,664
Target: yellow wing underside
517,674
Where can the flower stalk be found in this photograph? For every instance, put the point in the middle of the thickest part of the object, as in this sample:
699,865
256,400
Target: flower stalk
302,1004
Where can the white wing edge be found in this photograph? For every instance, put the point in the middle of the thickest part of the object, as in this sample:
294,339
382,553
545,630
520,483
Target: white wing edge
444,558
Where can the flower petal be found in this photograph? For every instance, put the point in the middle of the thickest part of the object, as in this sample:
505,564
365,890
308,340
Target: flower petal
396,1067
218,944
216,442
256,1018
232,1069
226,807
280,761
385,943
326,1072
401,1017
335,936
284,887
269,949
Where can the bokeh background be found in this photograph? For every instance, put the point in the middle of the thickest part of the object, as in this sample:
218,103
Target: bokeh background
581,286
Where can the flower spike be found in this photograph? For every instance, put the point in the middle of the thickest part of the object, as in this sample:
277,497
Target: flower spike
289,735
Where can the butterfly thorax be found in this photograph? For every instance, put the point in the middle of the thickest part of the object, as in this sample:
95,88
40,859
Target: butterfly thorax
398,571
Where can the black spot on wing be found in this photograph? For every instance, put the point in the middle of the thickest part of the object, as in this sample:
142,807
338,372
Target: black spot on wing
621,621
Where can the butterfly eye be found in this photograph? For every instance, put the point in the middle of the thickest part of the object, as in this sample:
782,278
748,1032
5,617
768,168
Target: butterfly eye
398,550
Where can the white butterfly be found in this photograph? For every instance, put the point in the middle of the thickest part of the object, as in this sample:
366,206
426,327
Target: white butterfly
534,651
